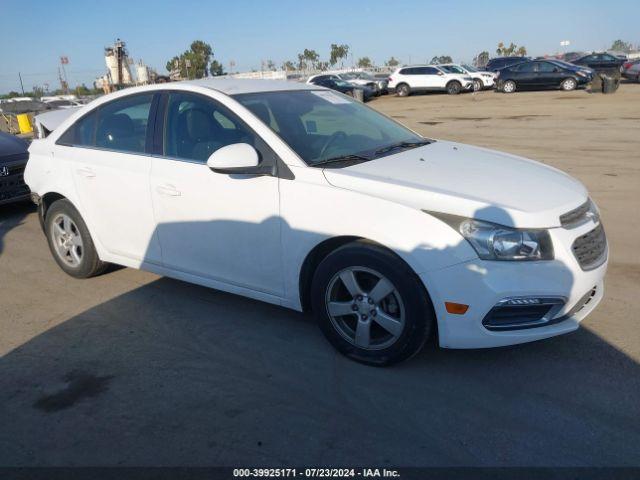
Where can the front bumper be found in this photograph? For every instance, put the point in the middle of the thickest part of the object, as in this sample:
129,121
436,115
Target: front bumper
484,284
12,186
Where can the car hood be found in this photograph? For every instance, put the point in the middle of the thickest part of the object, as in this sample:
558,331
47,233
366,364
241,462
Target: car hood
11,146
468,181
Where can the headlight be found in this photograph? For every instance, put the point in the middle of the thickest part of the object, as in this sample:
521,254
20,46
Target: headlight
497,242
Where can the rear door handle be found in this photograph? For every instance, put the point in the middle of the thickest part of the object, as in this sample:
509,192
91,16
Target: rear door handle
168,190
86,172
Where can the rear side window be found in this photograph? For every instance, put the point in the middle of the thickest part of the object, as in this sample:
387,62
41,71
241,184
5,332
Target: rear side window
81,133
122,124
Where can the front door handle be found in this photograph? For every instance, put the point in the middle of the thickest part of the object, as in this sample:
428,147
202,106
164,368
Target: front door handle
86,172
168,190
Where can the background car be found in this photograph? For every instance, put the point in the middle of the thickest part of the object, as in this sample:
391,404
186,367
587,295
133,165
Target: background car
626,66
542,74
425,78
633,73
365,79
497,63
481,79
343,87
13,160
600,62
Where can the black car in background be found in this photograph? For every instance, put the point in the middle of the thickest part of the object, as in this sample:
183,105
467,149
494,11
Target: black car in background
344,87
601,62
543,74
13,160
498,63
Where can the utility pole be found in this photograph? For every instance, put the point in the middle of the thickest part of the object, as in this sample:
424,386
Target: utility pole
21,85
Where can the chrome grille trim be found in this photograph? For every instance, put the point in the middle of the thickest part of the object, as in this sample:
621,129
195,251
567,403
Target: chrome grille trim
576,217
590,249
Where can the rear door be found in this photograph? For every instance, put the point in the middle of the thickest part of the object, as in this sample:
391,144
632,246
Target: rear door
107,152
432,78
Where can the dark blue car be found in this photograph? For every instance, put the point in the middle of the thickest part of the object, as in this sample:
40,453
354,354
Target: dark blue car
543,74
13,160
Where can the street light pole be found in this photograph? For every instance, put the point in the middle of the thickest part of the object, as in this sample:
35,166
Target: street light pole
21,85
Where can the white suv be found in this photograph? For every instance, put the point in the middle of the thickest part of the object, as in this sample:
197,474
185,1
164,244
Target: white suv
423,78
300,196
481,79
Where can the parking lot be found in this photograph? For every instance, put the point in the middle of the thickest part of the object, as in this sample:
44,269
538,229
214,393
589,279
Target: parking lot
133,369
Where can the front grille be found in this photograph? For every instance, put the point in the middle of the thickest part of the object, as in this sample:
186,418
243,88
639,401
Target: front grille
575,217
590,249
12,185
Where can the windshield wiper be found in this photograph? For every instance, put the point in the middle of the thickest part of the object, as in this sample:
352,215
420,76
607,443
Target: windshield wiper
342,158
401,145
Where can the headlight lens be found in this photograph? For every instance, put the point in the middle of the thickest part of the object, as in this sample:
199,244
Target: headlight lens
497,242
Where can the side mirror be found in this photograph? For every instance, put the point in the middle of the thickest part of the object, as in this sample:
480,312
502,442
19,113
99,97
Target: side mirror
238,158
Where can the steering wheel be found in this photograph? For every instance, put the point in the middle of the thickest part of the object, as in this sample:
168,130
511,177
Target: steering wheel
339,135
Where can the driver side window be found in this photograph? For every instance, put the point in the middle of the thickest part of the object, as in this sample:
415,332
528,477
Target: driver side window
196,126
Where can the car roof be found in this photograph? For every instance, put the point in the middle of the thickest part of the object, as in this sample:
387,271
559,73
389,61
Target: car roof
234,86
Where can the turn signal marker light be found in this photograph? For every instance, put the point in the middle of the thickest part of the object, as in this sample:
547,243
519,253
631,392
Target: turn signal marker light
456,308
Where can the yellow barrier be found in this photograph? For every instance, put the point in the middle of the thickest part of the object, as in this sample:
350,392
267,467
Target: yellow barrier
24,124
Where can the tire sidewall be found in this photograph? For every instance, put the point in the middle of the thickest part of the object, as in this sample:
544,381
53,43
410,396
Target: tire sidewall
403,90
90,261
508,82
454,87
477,85
419,316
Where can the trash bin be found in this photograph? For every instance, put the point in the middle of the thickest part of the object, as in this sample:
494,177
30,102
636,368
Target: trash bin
610,84
24,124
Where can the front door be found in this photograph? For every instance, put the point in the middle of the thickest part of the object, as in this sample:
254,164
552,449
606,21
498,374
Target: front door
218,226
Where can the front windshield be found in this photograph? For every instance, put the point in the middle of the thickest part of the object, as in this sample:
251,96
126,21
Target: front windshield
470,68
452,69
342,83
348,76
321,126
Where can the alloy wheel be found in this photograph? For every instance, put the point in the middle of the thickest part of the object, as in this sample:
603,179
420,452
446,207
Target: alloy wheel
365,308
67,240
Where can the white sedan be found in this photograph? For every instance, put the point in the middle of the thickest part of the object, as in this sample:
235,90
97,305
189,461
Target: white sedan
302,197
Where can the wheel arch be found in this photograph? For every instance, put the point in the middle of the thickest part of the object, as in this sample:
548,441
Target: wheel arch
46,201
320,251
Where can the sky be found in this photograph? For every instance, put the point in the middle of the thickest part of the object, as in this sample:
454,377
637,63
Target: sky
36,33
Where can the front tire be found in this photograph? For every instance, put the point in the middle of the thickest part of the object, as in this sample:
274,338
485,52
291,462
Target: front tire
454,88
477,85
568,84
370,305
70,243
509,86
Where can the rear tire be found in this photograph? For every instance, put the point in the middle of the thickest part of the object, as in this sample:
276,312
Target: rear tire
509,86
454,88
70,242
380,314
403,90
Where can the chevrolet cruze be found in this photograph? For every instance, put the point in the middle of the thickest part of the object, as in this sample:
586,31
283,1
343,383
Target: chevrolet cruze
303,197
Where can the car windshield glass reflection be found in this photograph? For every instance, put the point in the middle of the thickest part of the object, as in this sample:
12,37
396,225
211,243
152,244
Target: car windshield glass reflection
324,125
